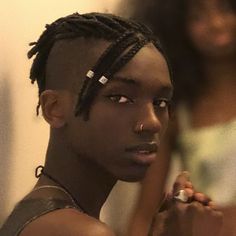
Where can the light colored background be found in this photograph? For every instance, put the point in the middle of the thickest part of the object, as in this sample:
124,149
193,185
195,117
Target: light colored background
23,136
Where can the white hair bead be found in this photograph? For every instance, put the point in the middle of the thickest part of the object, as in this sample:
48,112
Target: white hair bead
90,74
103,80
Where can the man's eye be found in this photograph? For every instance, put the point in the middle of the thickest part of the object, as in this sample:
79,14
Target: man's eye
119,99
162,103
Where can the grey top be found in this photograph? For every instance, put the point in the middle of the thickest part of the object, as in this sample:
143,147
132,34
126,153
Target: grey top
30,209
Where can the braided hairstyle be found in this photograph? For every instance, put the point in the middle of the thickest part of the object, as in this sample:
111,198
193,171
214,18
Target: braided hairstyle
127,38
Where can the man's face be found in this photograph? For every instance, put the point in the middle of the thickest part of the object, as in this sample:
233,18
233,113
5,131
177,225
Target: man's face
127,118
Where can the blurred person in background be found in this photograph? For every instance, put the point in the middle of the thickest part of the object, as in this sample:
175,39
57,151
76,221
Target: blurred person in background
104,88
200,40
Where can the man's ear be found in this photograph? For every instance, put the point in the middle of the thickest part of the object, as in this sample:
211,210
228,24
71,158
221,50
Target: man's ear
52,108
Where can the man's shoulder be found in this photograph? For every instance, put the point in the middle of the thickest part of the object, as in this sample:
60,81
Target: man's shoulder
67,222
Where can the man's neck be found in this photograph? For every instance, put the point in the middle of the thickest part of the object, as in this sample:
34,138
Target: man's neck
87,182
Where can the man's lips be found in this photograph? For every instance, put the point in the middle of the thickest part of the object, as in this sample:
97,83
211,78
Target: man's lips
144,153
143,147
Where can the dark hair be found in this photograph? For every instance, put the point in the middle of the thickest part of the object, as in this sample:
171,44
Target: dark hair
167,19
123,33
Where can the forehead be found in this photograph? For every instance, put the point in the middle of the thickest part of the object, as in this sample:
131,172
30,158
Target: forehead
70,60
147,69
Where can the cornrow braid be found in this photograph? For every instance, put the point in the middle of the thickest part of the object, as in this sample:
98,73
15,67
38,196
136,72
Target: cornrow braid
92,91
94,82
103,64
124,34
113,50
127,57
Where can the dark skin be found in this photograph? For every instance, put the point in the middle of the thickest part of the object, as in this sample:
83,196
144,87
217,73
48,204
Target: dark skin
88,157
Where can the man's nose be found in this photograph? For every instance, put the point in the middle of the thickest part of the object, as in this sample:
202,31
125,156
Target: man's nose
148,120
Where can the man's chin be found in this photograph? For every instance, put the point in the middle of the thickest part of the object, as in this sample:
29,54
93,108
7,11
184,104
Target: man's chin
135,177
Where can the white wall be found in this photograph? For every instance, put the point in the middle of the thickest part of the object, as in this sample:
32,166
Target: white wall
23,136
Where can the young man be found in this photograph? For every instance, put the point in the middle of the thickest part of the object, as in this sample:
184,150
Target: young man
105,89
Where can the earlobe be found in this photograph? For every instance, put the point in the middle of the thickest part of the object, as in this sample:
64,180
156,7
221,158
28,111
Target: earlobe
52,108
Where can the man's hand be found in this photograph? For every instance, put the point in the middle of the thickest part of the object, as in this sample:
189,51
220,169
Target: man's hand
187,214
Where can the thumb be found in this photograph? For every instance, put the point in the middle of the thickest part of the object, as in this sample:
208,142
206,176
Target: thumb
181,182
183,189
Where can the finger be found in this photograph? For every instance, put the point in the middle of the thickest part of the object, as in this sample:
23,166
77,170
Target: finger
189,192
180,182
186,193
199,207
183,196
165,203
218,214
189,184
213,205
195,207
189,208
202,198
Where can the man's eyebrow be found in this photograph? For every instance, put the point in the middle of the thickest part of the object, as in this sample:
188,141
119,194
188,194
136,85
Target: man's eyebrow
126,80
165,89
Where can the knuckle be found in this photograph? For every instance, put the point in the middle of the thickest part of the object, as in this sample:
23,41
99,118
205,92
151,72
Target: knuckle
195,206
